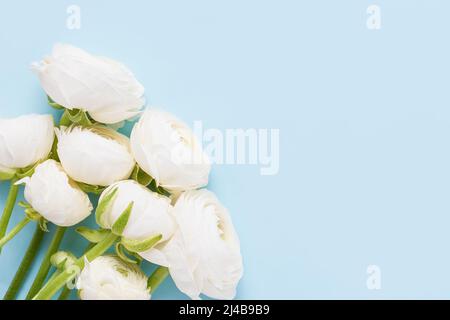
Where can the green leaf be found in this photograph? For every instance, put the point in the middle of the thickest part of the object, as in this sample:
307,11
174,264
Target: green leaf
141,176
53,104
93,236
141,245
104,205
123,255
88,188
121,223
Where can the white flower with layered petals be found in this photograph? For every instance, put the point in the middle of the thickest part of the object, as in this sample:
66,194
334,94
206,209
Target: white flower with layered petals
95,155
204,255
109,278
150,215
54,196
24,141
104,88
167,149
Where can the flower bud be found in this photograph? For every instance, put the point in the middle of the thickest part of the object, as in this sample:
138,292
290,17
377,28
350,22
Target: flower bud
167,149
104,88
109,278
24,141
55,196
96,155
62,260
150,213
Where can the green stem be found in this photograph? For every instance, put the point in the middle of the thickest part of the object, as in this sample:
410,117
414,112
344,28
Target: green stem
52,287
9,206
157,278
24,267
14,232
46,264
65,293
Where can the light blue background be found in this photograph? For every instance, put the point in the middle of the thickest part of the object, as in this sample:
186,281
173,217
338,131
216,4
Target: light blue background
364,118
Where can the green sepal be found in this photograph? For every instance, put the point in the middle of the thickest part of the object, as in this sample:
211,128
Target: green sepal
32,214
83,119
20,173
147,180
76,117
141,176
93,236
141,245
28,171
104,205
64,121
88,188
53,104
123,254
158,189
43,224
8,175
24,204
54,151
121,223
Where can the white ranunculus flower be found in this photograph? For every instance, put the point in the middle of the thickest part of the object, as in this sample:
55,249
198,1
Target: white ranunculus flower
24,141
104,88
95,155
55,196
150,215
167,149
109,278
203,256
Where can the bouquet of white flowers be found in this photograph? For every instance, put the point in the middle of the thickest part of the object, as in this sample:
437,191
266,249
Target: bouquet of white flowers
151,203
